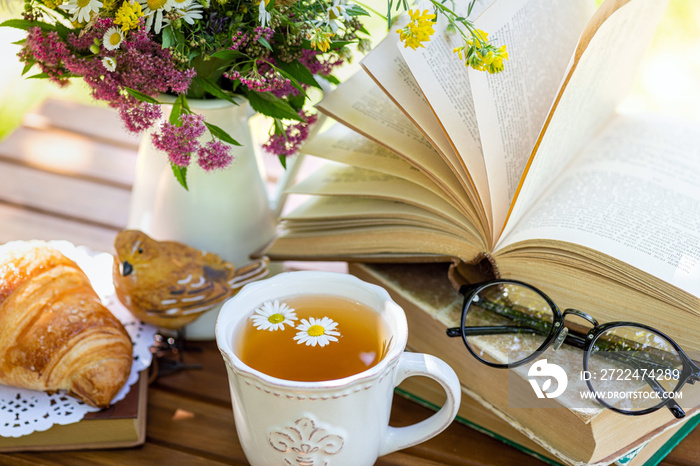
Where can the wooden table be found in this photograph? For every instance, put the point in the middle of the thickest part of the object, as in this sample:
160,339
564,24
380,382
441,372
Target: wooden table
66,174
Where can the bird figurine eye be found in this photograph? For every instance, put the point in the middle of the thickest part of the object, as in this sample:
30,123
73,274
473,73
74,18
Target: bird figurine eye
140,250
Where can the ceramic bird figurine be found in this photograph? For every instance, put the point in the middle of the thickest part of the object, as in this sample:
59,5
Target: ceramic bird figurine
169,284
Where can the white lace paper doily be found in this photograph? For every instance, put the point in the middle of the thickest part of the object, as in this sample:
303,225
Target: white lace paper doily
25,411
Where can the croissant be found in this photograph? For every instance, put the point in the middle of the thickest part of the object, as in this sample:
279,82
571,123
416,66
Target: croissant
55,334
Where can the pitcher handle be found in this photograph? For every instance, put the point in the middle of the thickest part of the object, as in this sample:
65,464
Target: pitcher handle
416,364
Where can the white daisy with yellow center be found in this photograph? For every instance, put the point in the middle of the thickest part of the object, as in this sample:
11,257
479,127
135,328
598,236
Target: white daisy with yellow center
317,331
187,10
273,315
113,38
153,12
82,9
109,63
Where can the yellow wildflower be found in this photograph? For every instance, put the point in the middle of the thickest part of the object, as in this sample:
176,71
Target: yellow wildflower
128,15
52,4
320,39
480,55
418,30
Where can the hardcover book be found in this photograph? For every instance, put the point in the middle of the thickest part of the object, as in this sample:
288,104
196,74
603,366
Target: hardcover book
121,425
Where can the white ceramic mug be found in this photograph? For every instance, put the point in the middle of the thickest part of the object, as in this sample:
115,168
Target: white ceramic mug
335,422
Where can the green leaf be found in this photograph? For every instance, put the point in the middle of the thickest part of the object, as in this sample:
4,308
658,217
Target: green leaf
175,113
292,80
283,160
28,67
356,10
180,175
262,41
332,79
299,72
25,25
211,87
168,38
39,76
221,134
141,96
272,106
227,54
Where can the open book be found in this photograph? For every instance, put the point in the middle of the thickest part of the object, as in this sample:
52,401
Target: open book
531,168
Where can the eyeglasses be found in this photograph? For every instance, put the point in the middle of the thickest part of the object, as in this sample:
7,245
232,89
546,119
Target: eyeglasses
507,323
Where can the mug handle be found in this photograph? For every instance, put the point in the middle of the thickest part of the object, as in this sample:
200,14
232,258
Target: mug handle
417,364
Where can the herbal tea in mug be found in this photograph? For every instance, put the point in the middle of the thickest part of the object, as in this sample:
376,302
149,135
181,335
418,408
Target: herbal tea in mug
312,360
312,338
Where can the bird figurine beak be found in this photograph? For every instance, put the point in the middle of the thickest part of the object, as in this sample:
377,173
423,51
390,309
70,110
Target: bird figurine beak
125,268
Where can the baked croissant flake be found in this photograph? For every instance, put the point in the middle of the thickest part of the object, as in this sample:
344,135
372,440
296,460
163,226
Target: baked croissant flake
55,334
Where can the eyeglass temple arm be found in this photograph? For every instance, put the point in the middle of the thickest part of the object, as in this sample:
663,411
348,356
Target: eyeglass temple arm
495,330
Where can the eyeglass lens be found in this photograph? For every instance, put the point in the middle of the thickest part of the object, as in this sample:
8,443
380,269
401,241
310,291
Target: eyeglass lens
633,368
512,322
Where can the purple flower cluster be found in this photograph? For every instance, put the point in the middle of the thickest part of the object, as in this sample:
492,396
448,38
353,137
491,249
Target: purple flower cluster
263,78
241,39
142,64
50,52
180,142
295,134
214,155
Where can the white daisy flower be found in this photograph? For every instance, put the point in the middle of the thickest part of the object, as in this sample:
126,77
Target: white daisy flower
153,12
263,15
81,9
337,10
316,331
273,316
187,10
109,63
113,38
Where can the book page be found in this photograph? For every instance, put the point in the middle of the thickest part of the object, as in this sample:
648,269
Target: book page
322,213
341,144
598,82
343,180
386,66
444,81
633,194
361,105
511,106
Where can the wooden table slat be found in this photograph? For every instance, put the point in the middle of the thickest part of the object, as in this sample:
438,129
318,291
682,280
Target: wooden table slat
63,152
21,224
65,196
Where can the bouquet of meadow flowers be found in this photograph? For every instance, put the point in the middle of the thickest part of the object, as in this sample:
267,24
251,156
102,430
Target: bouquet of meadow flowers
269,52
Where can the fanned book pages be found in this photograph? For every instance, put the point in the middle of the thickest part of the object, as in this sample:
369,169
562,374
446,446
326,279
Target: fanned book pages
531,168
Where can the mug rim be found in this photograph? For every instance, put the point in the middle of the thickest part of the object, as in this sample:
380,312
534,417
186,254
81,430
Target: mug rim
399,335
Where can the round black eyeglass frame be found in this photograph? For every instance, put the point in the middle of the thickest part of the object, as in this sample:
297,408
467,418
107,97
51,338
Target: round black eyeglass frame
689,374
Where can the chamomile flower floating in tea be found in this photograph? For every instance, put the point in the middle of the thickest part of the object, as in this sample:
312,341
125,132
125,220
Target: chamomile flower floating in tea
312,337
273,315
317,331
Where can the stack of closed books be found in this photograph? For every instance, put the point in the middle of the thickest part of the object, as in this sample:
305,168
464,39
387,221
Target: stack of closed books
493,399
